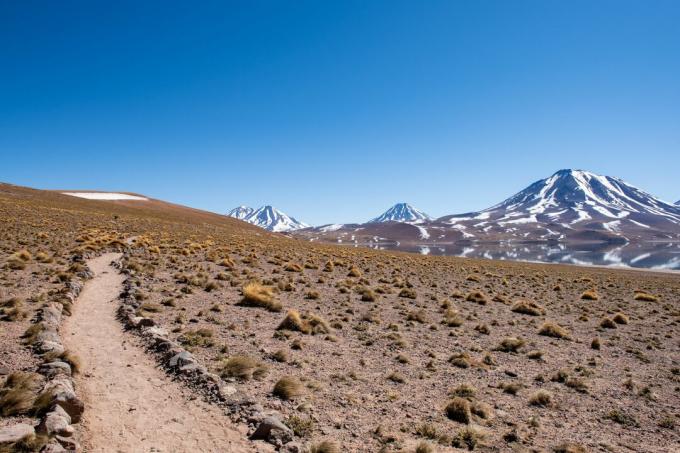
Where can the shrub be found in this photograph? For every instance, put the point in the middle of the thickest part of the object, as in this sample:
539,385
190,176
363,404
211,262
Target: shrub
408,293
510,344
460,360
424,447
463,391
302,427
19,393
280,356
242,367
257,295
354,272
458,409
477,297
318,325
201,337
452,318
292,267
325,446
526,307
287,388
550,329
595,344
621,318
590,295
607,323
313,295
418,316
468,437
396,377
12,310
482,410
368,295
541,398
294,322
569,448
645,297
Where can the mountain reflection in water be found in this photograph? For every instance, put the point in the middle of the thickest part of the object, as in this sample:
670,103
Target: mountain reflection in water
652,255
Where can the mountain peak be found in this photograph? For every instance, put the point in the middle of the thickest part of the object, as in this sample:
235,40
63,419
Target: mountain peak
573,196
241,212
401,212
267,217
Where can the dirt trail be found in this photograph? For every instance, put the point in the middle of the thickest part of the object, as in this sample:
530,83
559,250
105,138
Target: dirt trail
130,405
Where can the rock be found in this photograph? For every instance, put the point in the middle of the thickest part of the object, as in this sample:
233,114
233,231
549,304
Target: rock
190,368
53,447
51,315
58,421
272,430
226,390
52,369
4,371
68,443
50,347
64,395
14,433
181,359
156,332
292,447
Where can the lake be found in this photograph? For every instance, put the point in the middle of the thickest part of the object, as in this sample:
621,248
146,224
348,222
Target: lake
653,255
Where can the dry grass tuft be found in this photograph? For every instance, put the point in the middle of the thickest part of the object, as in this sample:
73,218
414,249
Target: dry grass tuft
541,398
468,437
287,388
294,322
242,367
645,297
526,307
621,318
19,393
477,297
590,295
258,295
201,337
607,323
550,329
408,293
458,409
325,446
510,344
569,448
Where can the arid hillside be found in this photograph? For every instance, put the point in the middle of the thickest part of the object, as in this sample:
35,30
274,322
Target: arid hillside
355,349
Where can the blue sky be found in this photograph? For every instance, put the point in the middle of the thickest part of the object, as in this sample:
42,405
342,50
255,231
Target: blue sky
332,111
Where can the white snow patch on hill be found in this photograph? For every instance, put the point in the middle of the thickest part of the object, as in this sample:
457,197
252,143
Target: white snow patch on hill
104,196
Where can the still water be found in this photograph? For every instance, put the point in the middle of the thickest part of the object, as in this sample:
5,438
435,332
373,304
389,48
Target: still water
652,255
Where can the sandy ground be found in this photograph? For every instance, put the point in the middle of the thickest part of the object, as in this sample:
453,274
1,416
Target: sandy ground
131,406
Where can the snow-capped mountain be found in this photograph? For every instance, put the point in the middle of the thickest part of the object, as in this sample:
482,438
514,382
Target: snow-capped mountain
241,212
575,204
267,217
677,202
402,212
570,205
576,196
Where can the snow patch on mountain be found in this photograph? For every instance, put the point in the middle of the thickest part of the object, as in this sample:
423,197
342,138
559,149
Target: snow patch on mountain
241,212
402,212
105,196
267,217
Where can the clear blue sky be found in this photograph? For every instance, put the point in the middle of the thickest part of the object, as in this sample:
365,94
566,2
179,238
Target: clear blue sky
332,111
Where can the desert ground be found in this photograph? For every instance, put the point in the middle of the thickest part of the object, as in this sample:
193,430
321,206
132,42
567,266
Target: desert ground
351,349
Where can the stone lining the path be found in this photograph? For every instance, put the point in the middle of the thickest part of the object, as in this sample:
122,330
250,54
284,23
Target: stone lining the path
64,406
